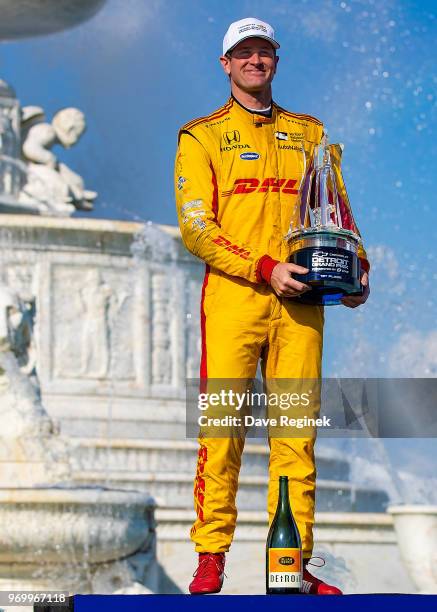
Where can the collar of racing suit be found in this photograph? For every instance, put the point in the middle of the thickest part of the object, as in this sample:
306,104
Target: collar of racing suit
252,117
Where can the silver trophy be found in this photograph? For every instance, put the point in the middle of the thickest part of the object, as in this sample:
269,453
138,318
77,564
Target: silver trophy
323,236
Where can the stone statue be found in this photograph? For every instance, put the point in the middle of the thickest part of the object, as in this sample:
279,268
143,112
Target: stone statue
32,451
51,185
21,411
95,298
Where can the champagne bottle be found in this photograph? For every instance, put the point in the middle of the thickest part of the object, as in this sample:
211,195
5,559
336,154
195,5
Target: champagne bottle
284,549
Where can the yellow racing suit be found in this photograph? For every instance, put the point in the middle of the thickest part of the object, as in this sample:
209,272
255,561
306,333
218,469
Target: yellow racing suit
237,176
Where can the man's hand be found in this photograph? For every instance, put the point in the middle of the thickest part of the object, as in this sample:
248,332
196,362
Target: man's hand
282,282
352,301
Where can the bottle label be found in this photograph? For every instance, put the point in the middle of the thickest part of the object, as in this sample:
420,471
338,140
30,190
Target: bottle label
285,567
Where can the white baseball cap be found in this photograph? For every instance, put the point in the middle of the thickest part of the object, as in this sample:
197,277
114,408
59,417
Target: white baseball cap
250,27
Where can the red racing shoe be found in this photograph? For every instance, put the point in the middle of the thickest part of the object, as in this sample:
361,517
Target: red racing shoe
208,577
313,586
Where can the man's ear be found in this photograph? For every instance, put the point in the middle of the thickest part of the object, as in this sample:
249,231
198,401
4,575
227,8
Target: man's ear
226,64
276,62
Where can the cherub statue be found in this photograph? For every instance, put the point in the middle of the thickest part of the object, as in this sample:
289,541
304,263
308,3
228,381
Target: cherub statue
51,185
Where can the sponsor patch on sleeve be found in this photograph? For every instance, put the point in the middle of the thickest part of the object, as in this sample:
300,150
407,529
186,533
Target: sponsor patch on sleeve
191,204
181,181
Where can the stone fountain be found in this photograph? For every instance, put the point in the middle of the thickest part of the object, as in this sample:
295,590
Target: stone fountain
84,539
97,336
24,18
55,534
416,530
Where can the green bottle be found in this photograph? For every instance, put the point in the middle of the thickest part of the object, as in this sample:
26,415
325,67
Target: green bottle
284,549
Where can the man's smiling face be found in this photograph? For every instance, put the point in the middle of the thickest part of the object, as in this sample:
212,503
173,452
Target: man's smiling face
251,65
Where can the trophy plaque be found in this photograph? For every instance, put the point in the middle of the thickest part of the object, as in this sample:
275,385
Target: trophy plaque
325,238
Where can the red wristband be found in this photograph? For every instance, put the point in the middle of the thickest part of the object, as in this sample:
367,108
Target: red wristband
264,268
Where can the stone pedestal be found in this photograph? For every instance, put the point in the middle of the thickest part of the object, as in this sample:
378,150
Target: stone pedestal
117,308
416,529
55,533
112,331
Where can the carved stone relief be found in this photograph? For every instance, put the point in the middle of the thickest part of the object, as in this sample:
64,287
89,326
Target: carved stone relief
161,339
92,324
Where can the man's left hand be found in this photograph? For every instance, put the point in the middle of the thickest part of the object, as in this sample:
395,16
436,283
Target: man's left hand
352,301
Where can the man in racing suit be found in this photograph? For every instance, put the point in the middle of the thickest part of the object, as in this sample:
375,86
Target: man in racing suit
237,175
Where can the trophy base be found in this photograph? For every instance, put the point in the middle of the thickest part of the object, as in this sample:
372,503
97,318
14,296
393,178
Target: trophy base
334,268
323,294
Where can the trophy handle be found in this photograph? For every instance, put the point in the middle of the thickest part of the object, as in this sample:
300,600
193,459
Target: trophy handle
302,198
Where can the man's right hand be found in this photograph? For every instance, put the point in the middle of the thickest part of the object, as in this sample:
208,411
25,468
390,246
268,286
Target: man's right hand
284,284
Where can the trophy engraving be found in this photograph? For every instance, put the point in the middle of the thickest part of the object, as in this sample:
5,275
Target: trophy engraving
324,237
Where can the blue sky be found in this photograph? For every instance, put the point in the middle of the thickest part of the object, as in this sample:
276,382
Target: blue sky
367,68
